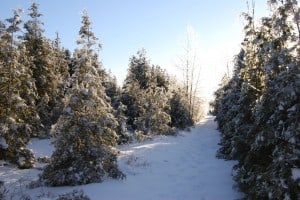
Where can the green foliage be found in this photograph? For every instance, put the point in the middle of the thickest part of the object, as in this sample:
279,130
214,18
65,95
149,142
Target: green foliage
44,89
17,114
146,98
179,111
257,110
87,128
50,70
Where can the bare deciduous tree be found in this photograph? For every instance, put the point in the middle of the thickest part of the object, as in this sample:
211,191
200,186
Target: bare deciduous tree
190,65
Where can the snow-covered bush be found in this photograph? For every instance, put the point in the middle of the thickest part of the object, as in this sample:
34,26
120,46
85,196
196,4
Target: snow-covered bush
179,111
258,109
275,151
83,162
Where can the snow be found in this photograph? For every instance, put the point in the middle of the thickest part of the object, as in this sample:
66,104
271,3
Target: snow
296,173
41,147
166,167
68,109
3,143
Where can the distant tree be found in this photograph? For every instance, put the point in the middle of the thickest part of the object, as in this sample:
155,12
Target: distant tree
145,96
189,64
113,91
179,110
60,65
139,69
87,128
129,98
160,78
153,118
138,78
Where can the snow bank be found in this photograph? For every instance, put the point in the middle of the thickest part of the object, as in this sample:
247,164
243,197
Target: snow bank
167,167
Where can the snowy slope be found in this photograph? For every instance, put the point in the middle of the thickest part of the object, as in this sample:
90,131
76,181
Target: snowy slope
182,167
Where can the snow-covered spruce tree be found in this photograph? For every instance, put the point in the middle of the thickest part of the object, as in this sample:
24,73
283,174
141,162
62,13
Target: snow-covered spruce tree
234,108
266,171
137,79
60,67
267,77
157,118
179,110
232,100
86,129
145,96
153,117
250,85
113,91
17,91
46,69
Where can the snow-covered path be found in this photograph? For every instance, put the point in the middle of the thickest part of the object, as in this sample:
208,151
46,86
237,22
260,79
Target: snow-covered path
165,168
171,168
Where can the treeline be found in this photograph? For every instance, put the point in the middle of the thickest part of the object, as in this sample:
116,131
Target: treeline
47,91
258,108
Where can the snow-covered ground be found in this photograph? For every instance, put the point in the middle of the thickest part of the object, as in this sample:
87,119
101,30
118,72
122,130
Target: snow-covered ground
167,167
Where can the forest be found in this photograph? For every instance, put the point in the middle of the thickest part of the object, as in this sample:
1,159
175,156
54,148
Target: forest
47,91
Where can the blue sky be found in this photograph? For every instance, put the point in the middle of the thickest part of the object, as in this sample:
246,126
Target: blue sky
124,26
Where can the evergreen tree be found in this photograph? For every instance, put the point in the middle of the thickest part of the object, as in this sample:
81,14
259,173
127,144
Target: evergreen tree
113,91
60,65
145,96
47,76
137,79
273,152
153,116
264,137
86,129
179,110
17,114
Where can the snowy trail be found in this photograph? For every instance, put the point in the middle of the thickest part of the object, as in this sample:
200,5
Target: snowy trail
165,168
183,167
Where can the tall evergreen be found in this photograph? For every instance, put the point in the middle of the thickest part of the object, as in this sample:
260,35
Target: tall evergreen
274,151
145,96
47,76
86,129
60,64
136,81
264,135
18,119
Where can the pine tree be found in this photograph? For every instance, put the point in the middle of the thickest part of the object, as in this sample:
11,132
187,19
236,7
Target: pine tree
145,96
153,117
137,79
179,110
60,65
113,91
86,129
257,109
47,76
273,152
17,114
